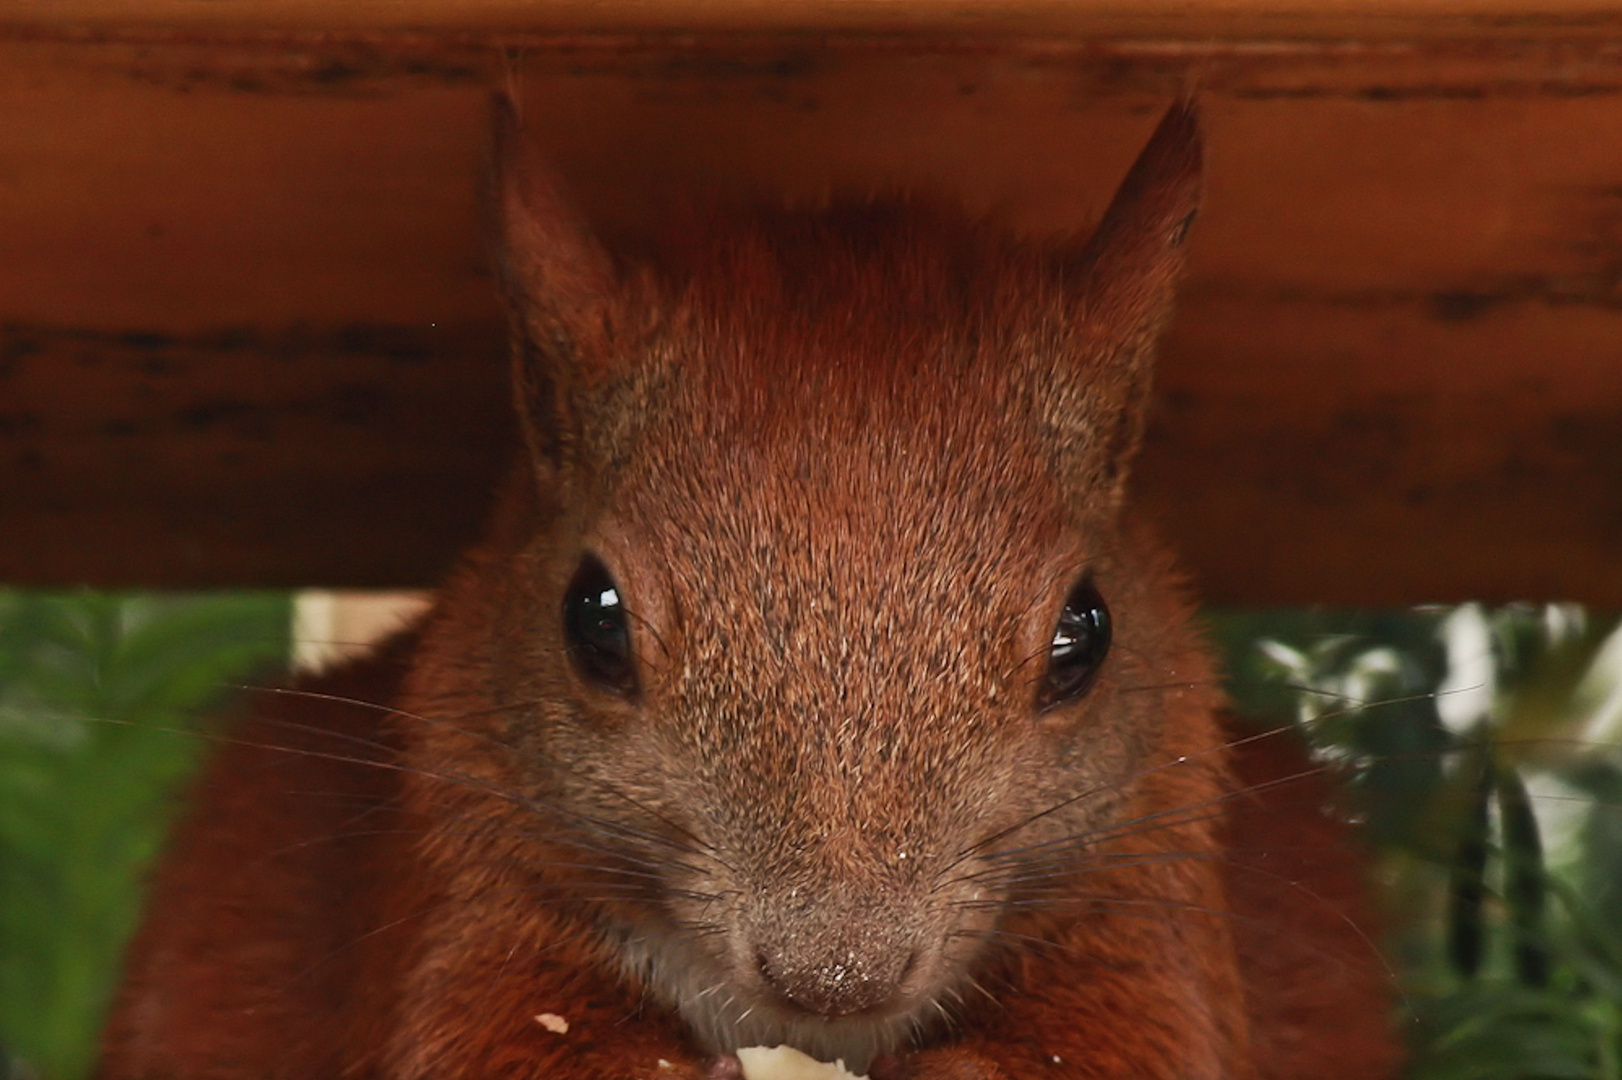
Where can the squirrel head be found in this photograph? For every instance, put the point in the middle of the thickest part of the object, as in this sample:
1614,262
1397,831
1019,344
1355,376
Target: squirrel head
825,603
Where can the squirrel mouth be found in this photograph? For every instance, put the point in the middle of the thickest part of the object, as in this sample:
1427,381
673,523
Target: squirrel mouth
724,1012
854,1038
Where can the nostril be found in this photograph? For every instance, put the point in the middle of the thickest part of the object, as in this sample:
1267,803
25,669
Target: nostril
763,965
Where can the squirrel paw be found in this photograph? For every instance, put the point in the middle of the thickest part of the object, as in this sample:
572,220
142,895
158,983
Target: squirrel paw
724,1067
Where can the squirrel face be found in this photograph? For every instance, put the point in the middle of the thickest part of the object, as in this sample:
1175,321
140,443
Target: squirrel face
815,610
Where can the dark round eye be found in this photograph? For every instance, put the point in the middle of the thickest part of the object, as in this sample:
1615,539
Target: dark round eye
1080,642
595,627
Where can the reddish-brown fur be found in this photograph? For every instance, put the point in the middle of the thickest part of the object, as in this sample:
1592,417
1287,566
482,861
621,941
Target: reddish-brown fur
845,468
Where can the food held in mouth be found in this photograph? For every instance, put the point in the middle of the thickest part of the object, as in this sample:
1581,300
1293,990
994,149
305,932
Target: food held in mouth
787,1063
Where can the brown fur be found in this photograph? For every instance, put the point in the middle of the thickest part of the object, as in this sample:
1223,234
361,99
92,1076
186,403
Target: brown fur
845,469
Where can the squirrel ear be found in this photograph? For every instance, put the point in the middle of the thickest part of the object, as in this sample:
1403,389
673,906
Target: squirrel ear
1121,284
558,281
1129,266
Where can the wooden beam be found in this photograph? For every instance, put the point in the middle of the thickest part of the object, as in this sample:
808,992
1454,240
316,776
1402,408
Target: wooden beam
246,336
1194,20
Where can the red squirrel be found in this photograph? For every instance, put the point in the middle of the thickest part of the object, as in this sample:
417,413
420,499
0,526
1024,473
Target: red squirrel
815,685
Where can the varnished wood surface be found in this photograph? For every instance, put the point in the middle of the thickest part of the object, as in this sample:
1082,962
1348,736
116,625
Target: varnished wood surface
1186,19
246,335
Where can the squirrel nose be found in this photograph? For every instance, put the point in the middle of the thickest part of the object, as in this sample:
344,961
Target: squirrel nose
839,983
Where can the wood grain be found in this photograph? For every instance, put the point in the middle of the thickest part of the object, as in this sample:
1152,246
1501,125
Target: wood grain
246,335
1190,19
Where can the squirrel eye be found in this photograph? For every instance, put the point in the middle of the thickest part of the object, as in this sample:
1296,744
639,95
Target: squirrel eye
594,624
1080,643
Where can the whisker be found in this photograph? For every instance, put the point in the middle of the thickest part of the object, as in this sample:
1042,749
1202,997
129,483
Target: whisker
390,711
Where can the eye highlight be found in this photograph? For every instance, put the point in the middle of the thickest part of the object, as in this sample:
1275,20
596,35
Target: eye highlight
1080,642
596,629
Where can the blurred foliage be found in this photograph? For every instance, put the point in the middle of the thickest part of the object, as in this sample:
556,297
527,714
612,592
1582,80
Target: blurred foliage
1479,748
100,699
1482,751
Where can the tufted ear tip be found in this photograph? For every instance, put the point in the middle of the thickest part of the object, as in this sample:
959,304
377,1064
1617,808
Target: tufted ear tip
557,277
559,282
1122,283
1172,167
1178,141
1127,270
1149,218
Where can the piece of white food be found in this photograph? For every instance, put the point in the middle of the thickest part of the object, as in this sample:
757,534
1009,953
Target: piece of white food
787,1063
552,1022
